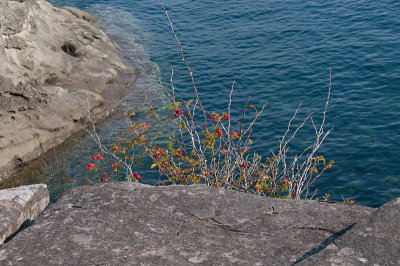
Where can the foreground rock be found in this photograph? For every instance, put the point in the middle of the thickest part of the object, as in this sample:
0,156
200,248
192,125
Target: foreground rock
51,60
373,241
18,205
126,223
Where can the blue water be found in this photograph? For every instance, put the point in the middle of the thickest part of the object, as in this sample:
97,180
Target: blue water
278,52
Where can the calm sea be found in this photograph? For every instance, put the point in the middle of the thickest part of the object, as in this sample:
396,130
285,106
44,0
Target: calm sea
278,52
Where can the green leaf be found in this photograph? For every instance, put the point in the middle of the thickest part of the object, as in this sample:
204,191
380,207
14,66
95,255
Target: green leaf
153,165
137,160
170,145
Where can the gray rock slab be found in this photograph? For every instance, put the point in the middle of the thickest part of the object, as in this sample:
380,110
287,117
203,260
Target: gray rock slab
133,224
20,204
52,59
375,240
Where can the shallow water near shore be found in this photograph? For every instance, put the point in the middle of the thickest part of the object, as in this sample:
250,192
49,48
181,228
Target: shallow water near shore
278,53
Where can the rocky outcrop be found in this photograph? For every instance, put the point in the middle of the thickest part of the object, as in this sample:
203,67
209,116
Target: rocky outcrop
126,223
51,60
18,205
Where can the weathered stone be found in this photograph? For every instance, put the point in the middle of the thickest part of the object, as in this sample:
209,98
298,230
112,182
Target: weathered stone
79,13
373,241
51,60
126,223
20,204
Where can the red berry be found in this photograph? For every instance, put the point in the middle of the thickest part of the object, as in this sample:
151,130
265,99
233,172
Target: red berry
103,179
178,112
218,131
156,156
244,165
234,135
99,157
94,157
138,177
158,149
226,116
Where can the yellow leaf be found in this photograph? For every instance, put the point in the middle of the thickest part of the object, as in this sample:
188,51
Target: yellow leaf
181,125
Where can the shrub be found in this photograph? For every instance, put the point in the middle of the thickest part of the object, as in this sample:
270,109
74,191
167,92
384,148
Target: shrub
212,148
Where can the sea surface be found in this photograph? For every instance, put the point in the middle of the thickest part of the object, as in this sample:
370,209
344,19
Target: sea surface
277,52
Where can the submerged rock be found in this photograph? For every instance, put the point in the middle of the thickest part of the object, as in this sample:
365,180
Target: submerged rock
21,204
127,223
51,61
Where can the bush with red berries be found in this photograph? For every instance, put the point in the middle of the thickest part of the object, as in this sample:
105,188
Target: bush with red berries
208,148
213,148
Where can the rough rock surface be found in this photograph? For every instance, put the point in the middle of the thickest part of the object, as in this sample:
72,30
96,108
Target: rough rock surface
51,60
79,13
373,241
126,223
20,204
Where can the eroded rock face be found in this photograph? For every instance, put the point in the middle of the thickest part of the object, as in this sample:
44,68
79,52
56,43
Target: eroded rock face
51,59
132,224
20,204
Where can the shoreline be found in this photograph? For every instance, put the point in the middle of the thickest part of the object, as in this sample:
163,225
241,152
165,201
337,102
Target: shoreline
59,111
